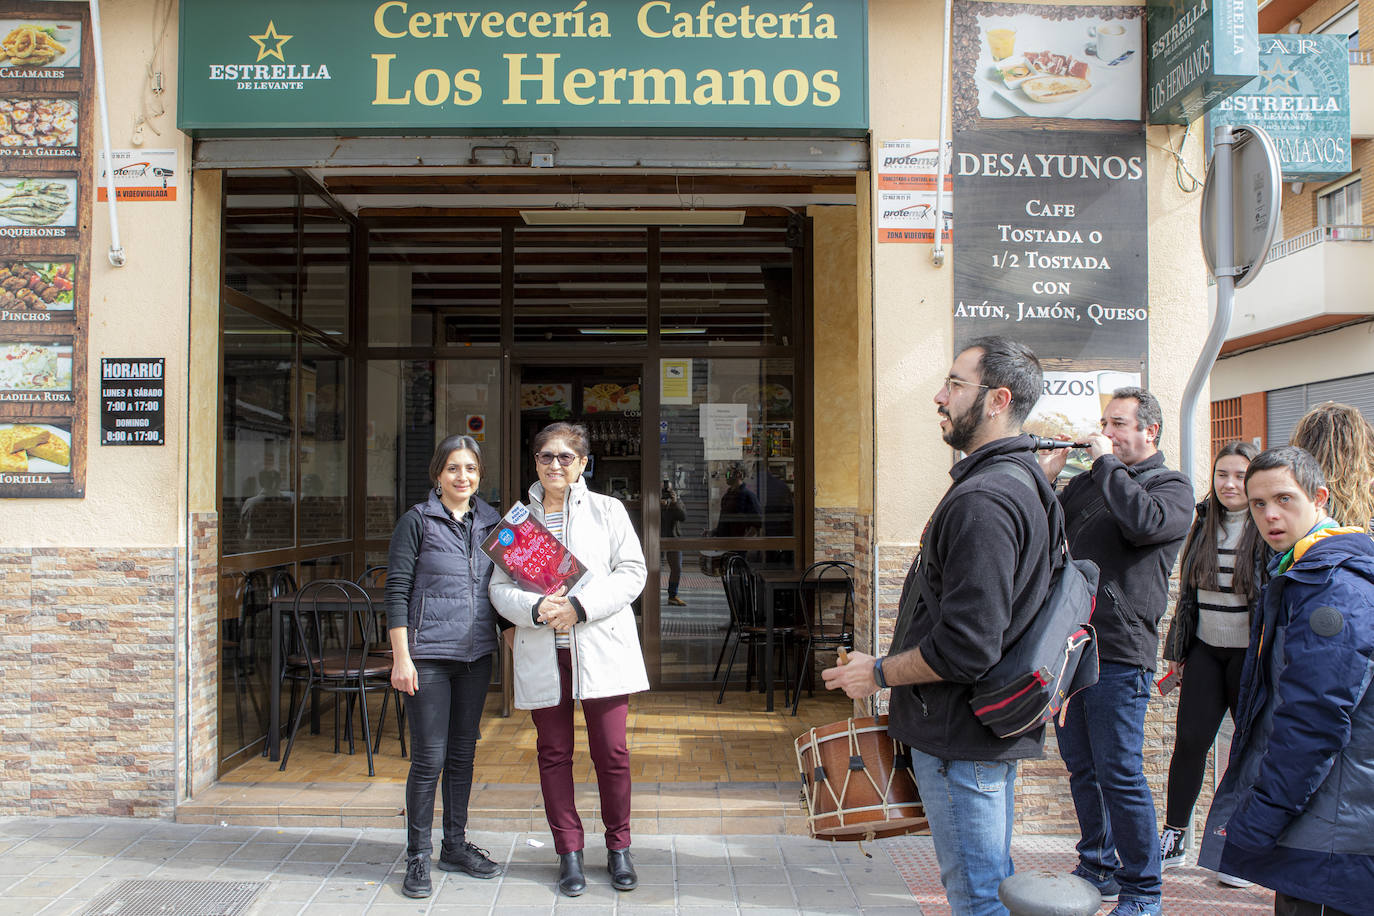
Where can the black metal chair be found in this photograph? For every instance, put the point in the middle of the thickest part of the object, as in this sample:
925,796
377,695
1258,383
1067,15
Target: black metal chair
251,597
819,629
351,670
748,625
372,577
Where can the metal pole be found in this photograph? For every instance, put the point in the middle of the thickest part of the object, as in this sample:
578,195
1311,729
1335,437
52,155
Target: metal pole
116,249
937,251
1223,144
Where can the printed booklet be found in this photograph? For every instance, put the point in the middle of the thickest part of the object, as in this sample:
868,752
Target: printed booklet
530,554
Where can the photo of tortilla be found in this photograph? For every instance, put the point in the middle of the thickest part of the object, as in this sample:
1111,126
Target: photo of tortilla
1054,88
35,448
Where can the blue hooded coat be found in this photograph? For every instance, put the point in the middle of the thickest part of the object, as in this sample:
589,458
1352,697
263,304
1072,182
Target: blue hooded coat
1295,810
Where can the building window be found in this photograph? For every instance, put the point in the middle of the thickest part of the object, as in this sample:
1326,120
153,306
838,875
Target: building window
1347,23
1226,423
1342,206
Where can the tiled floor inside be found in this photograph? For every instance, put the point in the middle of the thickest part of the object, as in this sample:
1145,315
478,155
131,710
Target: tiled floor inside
678,736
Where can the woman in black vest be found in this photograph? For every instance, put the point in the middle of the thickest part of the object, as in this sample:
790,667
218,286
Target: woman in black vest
443,636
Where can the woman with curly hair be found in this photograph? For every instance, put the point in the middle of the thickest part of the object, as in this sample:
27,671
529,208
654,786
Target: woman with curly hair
1342,441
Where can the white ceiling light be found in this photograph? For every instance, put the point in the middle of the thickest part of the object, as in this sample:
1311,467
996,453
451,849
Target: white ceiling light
582,217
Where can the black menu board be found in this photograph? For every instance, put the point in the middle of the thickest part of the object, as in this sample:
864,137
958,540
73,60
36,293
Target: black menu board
46,164
1053,243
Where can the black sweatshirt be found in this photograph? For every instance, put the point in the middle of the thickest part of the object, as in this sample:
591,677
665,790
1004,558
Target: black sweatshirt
985,554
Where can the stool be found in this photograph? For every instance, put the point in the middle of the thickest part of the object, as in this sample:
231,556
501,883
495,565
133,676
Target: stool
1045,893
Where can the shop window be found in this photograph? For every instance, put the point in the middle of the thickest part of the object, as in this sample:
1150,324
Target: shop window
727,286
431,287
413,405
324,512
260,238
326,250
257,510
1342,206
586,284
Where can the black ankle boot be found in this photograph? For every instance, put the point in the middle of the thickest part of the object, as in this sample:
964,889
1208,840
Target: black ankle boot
622,869
571,881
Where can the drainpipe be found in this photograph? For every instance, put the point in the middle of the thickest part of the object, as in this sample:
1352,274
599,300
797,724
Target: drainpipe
937,251
116,253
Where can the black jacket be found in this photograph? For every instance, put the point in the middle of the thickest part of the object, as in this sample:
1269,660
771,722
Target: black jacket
985,554
437,579
1133,533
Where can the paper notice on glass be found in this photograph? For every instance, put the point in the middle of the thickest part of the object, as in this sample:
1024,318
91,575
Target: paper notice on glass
675,381
529,553
724,427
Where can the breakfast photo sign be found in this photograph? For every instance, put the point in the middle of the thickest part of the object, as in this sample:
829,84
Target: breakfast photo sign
1019,64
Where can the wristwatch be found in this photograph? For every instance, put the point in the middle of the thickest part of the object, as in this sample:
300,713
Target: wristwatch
878,674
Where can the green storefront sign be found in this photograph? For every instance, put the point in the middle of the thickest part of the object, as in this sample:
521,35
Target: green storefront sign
1302,99
278,67
1200,51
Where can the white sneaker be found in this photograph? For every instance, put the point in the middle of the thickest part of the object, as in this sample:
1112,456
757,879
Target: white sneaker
1171,849
1233,881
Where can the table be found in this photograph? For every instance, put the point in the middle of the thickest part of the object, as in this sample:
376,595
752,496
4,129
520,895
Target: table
767,583
281,608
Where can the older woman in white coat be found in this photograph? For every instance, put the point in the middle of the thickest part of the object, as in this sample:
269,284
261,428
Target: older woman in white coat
585,648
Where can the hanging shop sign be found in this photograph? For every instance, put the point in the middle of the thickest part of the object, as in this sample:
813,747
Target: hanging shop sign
1018,65
907,207
45,218
1053,244
1200,52
283,67
133,400
1302,100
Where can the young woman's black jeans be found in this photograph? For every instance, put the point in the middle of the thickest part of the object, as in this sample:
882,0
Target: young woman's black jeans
444,715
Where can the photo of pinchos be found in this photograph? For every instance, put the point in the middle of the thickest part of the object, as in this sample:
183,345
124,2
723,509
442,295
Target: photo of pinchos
1019,61
37,124
33,366
38,201
42,286
45,45
35,448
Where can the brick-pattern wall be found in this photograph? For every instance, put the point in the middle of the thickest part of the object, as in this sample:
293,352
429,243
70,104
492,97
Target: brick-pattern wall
87,663
204,655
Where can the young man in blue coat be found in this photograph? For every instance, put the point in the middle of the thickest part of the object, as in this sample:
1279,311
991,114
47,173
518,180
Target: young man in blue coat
1295,809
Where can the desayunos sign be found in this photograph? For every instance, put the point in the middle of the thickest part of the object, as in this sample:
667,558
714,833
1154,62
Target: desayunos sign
1302,99
358,66
1200,51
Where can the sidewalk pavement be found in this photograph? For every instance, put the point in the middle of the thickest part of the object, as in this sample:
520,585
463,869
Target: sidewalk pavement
72,866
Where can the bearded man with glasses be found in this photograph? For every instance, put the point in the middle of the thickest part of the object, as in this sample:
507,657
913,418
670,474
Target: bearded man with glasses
983,571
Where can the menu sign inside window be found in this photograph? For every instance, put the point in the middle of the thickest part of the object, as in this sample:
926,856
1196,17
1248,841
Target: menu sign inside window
45,214
132,402
1052,242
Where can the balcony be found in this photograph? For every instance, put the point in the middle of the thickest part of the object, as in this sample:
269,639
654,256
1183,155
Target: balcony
1311,282
1362,94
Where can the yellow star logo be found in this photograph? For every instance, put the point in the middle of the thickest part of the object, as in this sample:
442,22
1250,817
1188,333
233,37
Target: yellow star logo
271,35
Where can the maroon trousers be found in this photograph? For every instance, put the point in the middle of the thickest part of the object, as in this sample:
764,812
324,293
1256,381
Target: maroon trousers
606,736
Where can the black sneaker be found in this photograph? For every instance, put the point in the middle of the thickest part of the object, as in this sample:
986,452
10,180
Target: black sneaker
1171,849
417,883
1107,887
469,859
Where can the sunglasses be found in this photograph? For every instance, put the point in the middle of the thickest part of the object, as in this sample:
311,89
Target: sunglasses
547,458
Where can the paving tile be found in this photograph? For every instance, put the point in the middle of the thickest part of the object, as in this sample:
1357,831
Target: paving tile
45,886
763,895
514,895
653,895
286,890
759,874
705,895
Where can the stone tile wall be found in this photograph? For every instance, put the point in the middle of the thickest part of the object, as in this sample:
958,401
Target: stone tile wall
204,656
88,667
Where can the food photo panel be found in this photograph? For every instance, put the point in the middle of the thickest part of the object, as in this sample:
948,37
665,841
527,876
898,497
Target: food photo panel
39,44
30,287
36,370
38,127
38,446
1015,62
37,206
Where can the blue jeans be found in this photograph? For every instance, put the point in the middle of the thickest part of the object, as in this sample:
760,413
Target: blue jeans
969,805
1102,744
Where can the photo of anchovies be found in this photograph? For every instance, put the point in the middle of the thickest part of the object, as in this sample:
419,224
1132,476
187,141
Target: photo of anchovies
38,202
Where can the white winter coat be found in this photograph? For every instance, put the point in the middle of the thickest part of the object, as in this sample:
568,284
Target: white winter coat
606,658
